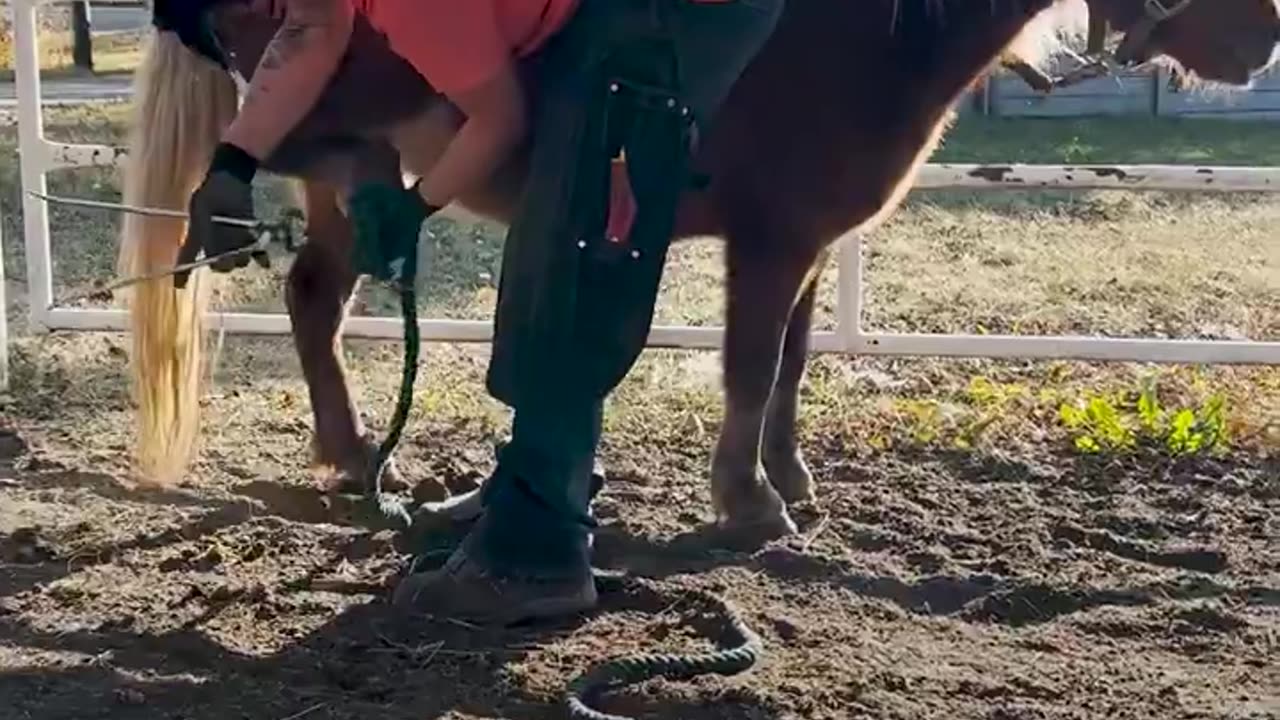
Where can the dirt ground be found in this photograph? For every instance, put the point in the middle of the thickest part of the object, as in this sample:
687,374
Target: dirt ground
964,559
927,584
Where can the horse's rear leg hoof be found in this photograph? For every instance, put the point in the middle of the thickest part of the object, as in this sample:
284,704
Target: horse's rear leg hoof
350,471
750,508
789,474
355,481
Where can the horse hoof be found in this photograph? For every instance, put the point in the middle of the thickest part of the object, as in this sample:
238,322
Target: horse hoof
747,504
352,481
347,475
790,476
755,532
760,521
391,482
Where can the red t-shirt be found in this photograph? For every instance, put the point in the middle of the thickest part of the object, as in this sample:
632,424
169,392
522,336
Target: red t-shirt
458,44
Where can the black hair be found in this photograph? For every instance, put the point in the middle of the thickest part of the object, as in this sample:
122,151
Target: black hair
189,19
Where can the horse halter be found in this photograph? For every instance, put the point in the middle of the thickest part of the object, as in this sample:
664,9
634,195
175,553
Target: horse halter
1138,37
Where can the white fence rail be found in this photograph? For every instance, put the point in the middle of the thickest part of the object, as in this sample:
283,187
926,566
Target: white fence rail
39,156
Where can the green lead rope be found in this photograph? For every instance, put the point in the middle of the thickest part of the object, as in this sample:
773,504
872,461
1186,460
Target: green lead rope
388,222
392,507
743,654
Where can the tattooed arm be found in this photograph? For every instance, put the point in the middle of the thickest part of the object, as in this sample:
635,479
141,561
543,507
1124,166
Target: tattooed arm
293,72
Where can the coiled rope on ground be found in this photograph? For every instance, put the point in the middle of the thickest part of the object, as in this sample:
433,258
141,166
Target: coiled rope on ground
744,654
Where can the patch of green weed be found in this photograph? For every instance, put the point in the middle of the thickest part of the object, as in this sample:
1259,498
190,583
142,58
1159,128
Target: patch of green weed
1124,422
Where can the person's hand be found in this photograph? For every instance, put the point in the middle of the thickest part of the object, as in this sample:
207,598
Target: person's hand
226,192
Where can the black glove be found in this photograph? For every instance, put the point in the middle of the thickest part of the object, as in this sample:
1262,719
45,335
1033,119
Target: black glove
226,191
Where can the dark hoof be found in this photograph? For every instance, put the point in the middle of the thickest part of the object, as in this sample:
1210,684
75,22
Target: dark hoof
353,481
347,470
789,474
748,506
754,532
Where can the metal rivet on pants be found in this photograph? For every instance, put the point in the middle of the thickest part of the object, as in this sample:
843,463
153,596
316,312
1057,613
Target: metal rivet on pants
613,87
671,102
635,254
582,244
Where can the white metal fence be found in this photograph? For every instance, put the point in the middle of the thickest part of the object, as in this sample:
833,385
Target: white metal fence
39,156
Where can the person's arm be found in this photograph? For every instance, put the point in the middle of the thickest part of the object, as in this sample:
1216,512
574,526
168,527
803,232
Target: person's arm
293,72
495,124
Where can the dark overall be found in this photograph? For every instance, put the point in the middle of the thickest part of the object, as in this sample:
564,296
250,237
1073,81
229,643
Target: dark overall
574,309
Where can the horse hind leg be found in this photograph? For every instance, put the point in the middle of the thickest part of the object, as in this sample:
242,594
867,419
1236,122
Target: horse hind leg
784,462
320,285
763,293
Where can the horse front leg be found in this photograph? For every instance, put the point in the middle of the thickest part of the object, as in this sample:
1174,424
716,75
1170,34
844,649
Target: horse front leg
763,293
320,285
783,460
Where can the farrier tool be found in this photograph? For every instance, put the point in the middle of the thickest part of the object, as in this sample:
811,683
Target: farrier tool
285,231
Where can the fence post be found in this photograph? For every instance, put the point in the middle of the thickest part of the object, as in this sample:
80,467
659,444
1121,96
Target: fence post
33,160
850,293
81,36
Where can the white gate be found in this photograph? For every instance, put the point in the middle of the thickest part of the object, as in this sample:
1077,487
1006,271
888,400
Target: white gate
39,156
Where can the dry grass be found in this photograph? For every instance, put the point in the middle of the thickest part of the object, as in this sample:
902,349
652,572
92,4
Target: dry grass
1087,263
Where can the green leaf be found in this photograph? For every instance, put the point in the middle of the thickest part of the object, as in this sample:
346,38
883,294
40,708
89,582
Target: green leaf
1071,416
1086,444
1180,432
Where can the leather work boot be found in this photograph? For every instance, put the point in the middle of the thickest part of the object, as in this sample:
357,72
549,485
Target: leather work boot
465,590
528,556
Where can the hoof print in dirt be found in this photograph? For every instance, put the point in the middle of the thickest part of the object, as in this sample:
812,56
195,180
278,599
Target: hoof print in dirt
193,560
785,629
430,491
130,696
12,446
1195,559
24,546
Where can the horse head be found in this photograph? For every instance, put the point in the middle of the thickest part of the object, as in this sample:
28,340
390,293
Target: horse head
1223,41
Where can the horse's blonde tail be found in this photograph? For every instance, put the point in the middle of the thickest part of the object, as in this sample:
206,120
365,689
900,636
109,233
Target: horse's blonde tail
182,102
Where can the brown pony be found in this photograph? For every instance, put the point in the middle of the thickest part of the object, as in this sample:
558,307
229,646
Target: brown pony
822,136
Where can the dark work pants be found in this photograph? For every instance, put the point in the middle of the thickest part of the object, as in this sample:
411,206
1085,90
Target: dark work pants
573,309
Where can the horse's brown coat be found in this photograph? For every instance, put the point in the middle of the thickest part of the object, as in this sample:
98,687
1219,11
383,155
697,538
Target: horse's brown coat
821,136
